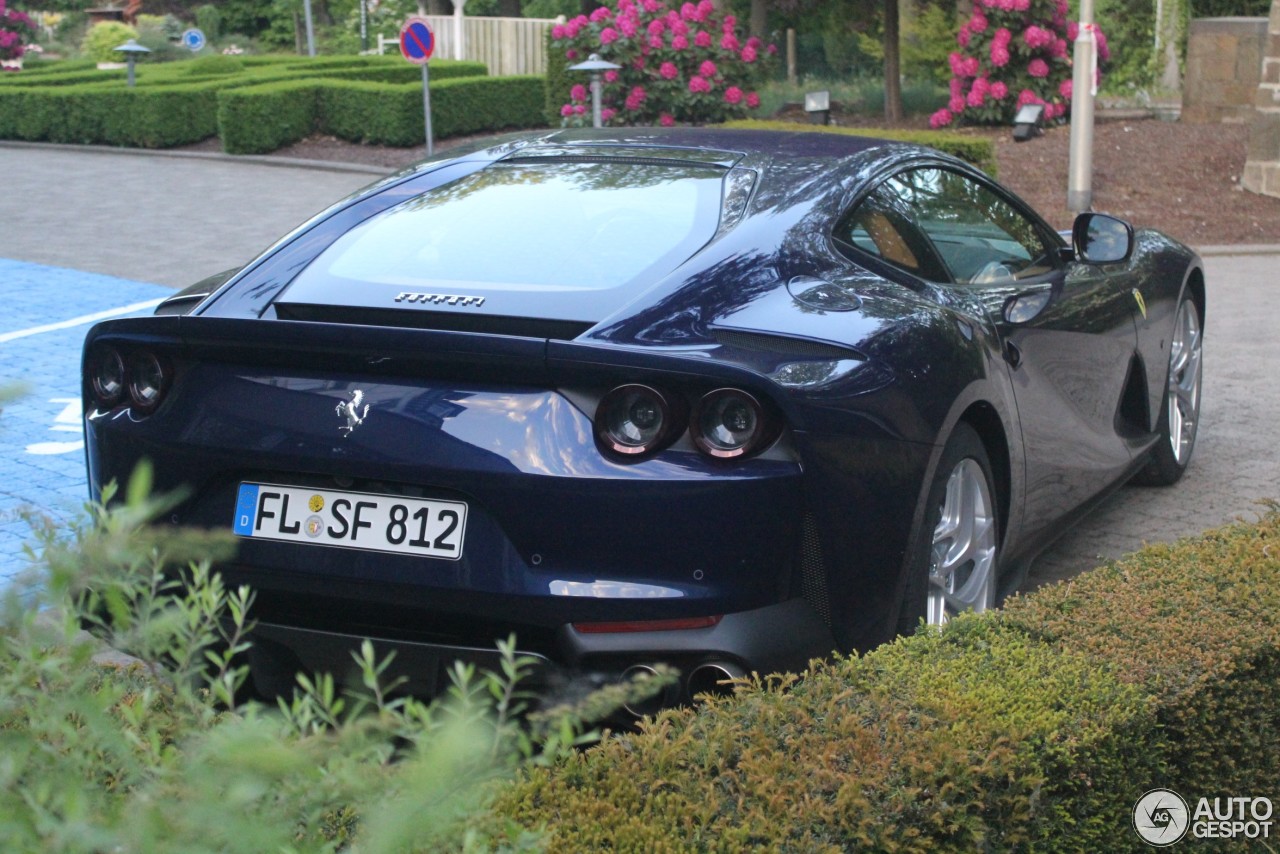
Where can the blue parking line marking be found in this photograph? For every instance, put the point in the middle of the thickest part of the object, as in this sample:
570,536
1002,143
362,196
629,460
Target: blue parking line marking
246,509
48,310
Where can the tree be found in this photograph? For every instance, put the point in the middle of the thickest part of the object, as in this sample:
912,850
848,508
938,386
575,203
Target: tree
892,63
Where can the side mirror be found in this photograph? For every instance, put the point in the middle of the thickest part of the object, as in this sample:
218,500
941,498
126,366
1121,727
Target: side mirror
1101,239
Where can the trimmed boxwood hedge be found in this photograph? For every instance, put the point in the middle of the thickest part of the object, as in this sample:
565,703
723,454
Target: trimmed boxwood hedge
976,150
178,103
263,118
1033,728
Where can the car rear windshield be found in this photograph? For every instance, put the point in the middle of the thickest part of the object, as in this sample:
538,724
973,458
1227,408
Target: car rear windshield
552,225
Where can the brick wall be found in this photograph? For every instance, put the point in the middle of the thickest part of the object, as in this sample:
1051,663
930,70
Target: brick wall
1262,166
1224,56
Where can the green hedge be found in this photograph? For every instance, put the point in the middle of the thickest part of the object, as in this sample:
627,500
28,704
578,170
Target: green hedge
178,103
976,150
1034,728
262,118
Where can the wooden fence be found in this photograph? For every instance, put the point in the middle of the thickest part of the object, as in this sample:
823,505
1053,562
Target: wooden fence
506,45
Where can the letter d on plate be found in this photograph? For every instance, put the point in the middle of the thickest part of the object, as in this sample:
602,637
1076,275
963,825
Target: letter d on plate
246,509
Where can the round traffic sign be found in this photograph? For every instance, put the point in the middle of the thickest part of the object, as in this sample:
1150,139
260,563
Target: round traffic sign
416,40
193,39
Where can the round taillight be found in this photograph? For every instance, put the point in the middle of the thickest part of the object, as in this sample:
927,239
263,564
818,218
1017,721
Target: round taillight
148,380
106,375
634,420
729,423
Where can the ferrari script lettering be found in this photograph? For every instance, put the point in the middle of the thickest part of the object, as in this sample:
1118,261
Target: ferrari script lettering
441,299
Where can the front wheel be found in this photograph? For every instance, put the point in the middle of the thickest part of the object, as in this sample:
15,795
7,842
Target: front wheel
954,556
1180,410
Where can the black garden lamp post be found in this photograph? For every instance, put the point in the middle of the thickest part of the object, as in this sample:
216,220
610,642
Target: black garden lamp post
596,66
131,49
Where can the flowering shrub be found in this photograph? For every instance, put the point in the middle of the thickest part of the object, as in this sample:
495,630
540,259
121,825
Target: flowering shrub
12,36
678,65
1012,53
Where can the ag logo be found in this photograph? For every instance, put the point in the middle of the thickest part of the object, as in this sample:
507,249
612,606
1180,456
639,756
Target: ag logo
1161,817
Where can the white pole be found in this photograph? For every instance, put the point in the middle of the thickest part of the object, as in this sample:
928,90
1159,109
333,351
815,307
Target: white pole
426,108
1083,91
457,28
311,30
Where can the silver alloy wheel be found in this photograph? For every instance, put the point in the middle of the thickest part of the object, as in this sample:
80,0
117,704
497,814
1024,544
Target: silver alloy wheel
962,567
1185,357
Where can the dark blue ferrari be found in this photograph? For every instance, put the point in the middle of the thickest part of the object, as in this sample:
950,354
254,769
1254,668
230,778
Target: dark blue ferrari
723,399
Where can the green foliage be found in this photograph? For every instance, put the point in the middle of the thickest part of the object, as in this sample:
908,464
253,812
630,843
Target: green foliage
928,38
260,103
209,21
212,66
262,118
1230,8
102,39
976,150
102,752
1034,728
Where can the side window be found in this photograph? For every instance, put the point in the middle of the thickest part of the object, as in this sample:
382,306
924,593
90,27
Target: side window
882,225
945,227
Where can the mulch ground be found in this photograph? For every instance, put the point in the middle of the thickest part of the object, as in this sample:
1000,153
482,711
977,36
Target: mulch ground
1183,179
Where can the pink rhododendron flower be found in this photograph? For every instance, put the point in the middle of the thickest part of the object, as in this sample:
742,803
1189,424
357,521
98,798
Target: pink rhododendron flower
976,98
956,104
655,43
940,119
657,26
627,26
570,54
702,38
679,27
1073,31
730,42
970,66
733,95
956,60
753,99
957,86
978,23
601,14
557,32
608,35
999,90
999,56
607,114
680,43
689,12
1002,37
730,21
1038,68
1026,96
566,110
651,6
1065,89
580,109
1104,50
705,8
748,54
699,85
963,38
578,92
1059,49
707,68
611,76
668,71
666,120
1021,5
771,49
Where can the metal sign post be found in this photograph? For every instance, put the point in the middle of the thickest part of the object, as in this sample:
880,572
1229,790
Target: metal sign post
416,45
1084,88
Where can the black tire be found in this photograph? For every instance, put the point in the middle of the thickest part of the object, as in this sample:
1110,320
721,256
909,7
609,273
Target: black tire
1180,406
976,557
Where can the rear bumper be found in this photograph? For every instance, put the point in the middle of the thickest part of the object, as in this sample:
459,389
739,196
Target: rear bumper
765,640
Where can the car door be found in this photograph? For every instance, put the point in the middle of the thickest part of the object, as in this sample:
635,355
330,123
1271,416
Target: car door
1067,331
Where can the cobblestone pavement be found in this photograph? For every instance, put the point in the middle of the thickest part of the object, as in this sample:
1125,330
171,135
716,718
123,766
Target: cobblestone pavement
173,220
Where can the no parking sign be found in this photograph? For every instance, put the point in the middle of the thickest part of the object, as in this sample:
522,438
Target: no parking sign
417,43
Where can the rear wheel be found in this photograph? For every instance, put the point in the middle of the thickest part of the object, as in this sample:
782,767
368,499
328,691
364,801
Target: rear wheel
954,563
1180,410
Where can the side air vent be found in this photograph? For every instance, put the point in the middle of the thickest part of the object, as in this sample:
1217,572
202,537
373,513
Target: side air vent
522,327
782,345
813,569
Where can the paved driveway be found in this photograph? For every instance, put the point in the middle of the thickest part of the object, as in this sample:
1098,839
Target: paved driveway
134,219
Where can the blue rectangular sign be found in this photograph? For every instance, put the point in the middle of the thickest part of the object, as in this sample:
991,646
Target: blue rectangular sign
246,509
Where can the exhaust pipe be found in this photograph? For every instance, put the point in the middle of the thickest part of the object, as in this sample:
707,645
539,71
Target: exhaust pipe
712,678
650,705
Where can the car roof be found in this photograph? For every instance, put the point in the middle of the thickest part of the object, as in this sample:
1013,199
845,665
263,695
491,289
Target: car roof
777,144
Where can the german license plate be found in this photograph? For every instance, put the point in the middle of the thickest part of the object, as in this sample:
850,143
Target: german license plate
354,520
